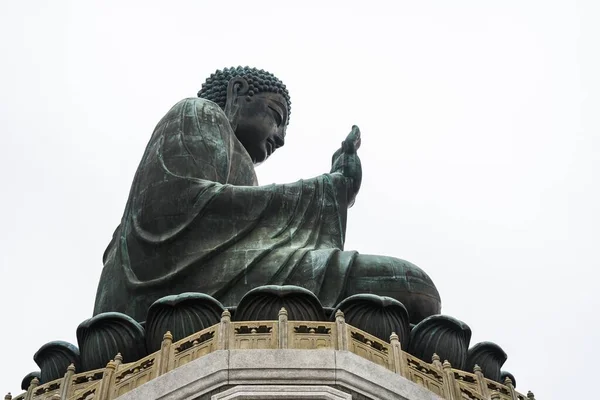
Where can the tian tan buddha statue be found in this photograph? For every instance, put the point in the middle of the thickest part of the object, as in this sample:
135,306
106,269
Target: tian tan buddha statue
197,221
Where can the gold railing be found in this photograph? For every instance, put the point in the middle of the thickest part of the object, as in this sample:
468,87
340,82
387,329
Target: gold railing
118,378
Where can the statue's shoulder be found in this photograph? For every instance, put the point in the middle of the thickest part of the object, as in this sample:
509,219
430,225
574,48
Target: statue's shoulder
206,112
206,105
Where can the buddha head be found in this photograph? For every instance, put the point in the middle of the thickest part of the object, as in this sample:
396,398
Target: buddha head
257,105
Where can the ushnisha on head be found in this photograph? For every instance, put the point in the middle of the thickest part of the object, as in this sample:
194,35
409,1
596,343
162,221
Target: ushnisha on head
257,105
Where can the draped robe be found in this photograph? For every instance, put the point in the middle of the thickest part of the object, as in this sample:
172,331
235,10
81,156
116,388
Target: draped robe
197,221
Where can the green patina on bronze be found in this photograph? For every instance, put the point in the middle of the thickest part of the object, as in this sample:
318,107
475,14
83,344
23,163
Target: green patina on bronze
197,221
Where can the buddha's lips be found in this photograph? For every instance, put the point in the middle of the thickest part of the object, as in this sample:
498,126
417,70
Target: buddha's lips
270,146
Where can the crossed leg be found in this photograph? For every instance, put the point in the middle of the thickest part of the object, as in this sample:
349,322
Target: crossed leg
399,279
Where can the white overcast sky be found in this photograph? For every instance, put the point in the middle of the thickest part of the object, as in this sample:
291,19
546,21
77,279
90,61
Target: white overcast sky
480,152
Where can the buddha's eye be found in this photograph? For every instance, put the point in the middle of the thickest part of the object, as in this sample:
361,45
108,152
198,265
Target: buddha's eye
277,115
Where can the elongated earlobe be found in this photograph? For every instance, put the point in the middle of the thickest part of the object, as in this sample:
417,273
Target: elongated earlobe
236,90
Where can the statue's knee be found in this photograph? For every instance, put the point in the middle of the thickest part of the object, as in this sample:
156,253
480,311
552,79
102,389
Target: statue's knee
399,279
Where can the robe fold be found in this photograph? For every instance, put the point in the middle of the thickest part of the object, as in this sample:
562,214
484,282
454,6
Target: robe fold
197,221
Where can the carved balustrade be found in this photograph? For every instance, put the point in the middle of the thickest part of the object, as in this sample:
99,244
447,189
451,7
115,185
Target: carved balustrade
118,378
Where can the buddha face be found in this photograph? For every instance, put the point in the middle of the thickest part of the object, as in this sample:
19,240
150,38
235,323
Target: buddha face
261,122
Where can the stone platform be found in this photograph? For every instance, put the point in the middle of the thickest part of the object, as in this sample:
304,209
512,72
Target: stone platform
280,374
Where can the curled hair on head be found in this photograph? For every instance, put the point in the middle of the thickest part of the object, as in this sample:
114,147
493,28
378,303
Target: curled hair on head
259,81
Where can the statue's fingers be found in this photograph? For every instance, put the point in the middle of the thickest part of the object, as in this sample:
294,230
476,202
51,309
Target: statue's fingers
354,138
354,133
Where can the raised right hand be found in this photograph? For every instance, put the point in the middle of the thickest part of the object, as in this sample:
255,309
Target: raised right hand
346,162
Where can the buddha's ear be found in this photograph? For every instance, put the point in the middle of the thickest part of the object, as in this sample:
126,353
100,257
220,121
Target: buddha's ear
236,91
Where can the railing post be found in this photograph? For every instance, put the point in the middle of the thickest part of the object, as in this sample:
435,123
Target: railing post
34,383
342,331
451,389
436,362
399,363
165,353
483,387
107,381
511,388
65,387
118,361
224,331
283,328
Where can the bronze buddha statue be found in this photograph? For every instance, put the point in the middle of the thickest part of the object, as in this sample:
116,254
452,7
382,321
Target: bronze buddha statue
197,221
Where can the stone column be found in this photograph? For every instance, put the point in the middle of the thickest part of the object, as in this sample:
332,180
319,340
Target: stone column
165,353
483,387
106,384
224,331
65,387
118,361
34,383
397,356
342,331
283,328
511,388
451,389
